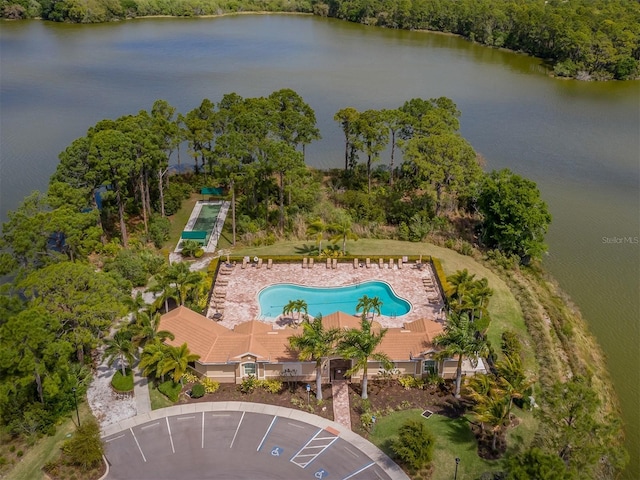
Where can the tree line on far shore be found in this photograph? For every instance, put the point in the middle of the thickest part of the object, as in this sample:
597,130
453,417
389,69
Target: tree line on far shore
582,38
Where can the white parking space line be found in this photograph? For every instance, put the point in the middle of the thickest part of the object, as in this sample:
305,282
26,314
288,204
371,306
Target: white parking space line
186,418
202,442
150,426
294,425
220,415
141,453
359,471
238,428
266,433
170,437
351,452
114,438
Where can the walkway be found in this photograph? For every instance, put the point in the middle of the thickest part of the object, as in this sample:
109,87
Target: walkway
141,393
341,406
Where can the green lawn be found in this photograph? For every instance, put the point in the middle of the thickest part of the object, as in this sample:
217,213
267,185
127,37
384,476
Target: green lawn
158,400
46,449
179,220
453,439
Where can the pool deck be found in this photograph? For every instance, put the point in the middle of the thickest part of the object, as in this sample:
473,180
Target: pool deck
236,289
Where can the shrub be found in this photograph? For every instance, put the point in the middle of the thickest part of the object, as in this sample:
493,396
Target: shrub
190,377
408,382
197,391
414,445
249,384
170,389
159,230
130,266
271,386
85,447
210,386
122,384
190,248
511,345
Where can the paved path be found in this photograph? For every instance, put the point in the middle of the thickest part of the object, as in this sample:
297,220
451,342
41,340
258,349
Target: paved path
341,407
141,392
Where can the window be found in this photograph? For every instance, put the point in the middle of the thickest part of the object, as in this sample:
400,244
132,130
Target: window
249,369
429,366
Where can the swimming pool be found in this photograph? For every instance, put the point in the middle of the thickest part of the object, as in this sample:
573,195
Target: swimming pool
327,300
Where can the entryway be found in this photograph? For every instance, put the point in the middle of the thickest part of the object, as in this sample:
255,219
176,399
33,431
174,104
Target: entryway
338,368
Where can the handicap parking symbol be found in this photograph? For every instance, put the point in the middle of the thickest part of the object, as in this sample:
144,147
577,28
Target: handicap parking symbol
277,451
320,474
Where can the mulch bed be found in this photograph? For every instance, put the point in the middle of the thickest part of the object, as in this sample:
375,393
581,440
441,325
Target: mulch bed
293,395
384,397
388,396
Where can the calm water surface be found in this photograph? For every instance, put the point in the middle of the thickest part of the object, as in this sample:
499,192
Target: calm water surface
578,141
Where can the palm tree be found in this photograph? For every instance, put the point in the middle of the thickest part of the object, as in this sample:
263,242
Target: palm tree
376,306
494,411
183,280
162,286
360,345
513,378
295,306
317,229
145,329
151,359
482,387
135,304
364,304
460,283
314,344
367,304
481,293
461,339
177,361
342,231
120,348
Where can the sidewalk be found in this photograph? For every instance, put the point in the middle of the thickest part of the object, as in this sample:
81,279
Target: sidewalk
141,391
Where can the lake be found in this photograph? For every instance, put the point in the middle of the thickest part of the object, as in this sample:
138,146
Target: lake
579,141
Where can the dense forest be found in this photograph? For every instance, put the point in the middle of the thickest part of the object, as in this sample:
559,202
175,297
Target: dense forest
584,39
75,252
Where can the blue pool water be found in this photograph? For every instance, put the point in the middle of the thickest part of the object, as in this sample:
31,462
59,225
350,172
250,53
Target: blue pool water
327,300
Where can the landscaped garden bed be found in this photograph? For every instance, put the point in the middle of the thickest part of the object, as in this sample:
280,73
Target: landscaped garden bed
292,395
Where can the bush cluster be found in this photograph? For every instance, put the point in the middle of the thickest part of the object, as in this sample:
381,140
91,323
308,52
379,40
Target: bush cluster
251,383
171,390
122,383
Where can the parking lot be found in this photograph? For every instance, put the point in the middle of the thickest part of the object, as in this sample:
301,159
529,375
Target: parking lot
255,442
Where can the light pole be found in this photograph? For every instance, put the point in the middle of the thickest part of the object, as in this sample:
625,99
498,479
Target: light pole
455,476
75,401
